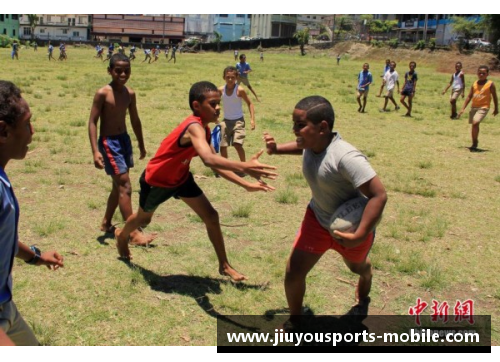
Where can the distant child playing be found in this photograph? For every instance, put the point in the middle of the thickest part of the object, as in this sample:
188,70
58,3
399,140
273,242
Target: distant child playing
233,125
364,80
386,68
243,71
113,151
457,84
409,88
167,174
481,93
391,79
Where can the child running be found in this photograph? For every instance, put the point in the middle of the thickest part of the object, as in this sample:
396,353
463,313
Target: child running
481,93
50,51
113,151
391,79
457,84
233,125
243,70
336,172
167,174
409,88
364,80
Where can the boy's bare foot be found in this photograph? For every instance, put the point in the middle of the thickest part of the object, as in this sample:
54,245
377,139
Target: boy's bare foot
122,245
138,238
232,273
107,228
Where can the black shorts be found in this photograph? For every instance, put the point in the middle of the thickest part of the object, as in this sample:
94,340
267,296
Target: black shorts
407,92
150,197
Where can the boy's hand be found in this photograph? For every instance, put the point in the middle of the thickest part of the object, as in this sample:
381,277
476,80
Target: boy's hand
143,153
349,240
259,186
98,160
459,114
51,259
257,170
270,143
495,112
252,124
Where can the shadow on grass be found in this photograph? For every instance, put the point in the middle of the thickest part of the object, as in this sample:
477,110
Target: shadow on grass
195,287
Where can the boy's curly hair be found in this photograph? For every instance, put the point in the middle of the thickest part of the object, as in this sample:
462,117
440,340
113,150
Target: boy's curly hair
10,110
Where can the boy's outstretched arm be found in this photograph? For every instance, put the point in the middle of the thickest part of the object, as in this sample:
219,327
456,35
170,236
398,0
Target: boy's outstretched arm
253,167
377,198
95,114
289,148
495,99
242,94
51,259
449,85
136,123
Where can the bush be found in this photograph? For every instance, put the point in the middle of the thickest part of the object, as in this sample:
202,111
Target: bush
393,43
377,43
420,45
432,43
5,41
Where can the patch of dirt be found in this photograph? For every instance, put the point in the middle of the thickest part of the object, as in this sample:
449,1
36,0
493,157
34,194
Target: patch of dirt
444,60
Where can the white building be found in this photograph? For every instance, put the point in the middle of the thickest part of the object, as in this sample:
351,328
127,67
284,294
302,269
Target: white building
66,27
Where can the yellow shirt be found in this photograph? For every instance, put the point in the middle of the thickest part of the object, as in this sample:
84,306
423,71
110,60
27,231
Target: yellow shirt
482,95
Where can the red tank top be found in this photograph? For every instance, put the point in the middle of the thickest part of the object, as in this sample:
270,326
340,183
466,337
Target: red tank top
169,168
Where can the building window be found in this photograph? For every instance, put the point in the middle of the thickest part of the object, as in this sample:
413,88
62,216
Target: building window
42,31
81,19
41,20
49,18
249,16
26,31
6,16
2,17
4,31
15,17
13,32
240,15
223,15
76,33
65,31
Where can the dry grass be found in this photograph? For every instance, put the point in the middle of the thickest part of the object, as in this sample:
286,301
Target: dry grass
438,238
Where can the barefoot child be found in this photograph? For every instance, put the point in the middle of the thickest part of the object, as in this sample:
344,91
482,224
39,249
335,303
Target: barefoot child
409,88
167,174
457,84
386,68
113,151
481,93
243,70
233,125
336,172
364,80
391,79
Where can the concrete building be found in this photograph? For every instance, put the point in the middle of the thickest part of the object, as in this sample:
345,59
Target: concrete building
313,22
65,27
273,26
232,26
138,28
415,27
9,25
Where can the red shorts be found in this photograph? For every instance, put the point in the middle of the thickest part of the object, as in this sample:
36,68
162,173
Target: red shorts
315,239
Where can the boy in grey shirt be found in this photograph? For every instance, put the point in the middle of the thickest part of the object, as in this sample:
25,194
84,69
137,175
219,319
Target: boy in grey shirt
336,172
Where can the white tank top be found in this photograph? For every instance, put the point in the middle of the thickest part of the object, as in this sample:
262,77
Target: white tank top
457,81
233,109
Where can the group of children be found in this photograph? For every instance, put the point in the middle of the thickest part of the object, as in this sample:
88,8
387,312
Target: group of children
335,171
481,93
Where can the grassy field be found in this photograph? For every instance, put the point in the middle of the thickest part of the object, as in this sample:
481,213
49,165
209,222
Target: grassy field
438,239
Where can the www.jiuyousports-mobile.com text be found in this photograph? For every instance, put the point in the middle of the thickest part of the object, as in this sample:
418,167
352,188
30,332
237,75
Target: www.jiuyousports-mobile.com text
414,336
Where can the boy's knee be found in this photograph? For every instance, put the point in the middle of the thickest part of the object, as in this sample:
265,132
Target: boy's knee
363,269
211,217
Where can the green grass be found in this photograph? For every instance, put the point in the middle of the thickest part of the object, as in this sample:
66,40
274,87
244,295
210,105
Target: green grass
438,237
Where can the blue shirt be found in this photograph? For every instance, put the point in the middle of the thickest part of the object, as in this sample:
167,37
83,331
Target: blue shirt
363,78
243,67
9,217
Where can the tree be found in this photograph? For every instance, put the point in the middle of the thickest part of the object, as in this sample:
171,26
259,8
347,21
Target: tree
468,28
492,23
217,40
33,20
302,37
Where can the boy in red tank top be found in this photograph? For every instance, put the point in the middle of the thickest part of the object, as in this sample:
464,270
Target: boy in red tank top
167,174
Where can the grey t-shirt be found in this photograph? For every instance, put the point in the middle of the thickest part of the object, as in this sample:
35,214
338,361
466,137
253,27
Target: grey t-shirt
334,176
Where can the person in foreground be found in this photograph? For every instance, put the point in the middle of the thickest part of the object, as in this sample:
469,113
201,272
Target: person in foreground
167,174
16,133
336,172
